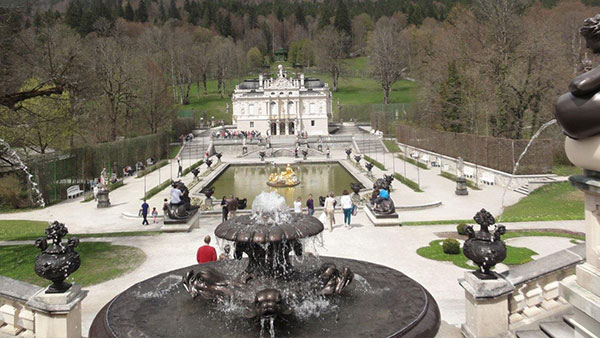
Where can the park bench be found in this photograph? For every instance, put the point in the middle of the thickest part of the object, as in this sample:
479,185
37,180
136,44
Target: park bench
436,163
425,158
488,178
468,172
414,154
74,191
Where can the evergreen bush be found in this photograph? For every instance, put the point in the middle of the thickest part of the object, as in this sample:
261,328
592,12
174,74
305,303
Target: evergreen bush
451,246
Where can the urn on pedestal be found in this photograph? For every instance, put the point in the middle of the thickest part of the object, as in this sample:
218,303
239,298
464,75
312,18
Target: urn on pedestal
57,260
484,248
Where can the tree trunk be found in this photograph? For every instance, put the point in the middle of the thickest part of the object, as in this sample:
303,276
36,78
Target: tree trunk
386,94
204,83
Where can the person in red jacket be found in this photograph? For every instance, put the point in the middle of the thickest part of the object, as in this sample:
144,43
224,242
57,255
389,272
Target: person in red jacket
206,253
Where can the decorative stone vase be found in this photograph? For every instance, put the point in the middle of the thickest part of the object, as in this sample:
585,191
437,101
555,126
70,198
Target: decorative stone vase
357,158
461,186
219,155
369,166
348,152
56,261
484,248
209,162
304,154
262,155
103,199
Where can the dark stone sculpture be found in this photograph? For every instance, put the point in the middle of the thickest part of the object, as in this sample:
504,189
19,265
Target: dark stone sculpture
484,248
333,281
57,261
182,212
578,111
242,203
356,187
195,172
209,284
208,191
357,158
348,152
209,162
268,303
386,207
322,200
262,155
304,153
219,155
369,166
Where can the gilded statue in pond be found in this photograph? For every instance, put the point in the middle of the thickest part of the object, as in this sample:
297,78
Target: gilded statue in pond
287,178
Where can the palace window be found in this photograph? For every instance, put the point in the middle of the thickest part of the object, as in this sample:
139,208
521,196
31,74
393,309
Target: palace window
312,123
251,124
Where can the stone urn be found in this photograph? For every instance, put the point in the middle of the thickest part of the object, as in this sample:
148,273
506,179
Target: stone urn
304,154
209,162
57,260
484,248
219,155
348,152
369,166
262,155
357,158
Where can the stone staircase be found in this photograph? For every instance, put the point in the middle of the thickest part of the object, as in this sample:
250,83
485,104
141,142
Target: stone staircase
194,149
561,328
524,189
371,144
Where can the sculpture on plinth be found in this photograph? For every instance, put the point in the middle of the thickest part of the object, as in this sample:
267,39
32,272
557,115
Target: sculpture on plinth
102,196
209,163
461,181
357,158
57,260
304,154
484,248
262,155
379,204
348,152
286,178
219,155
182,211
356,187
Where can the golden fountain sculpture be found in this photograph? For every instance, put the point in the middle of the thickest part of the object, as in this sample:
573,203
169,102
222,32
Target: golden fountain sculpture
286,178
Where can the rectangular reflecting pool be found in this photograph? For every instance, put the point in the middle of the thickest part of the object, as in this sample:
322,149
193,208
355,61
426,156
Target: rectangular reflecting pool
317,179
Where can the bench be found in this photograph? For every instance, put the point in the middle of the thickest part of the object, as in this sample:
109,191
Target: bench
414,154
468,172
74,191
488,178
425,158
436,163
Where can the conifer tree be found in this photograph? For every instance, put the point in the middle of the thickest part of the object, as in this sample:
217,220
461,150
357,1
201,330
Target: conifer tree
142,12
73,14
128,15
173,11
163,12
300,19
342,18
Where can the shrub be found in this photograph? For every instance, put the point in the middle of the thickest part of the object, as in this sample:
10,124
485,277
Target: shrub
461,228
157,189
13,193
192,167
451,246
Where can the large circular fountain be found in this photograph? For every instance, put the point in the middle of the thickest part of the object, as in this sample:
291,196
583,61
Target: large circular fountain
266,291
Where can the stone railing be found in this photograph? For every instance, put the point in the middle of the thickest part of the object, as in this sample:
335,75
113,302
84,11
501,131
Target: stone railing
27,311
520,296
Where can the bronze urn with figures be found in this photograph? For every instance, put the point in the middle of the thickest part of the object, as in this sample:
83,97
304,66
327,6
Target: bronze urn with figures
485,248
57,260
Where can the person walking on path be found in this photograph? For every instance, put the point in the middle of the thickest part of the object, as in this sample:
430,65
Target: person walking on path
206,253
154,214
310,205
145,207
348,207
232,206
298,205
329,210
179,168
225,208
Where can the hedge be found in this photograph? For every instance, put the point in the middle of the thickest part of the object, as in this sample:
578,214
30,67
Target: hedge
192,167
157,189
452,177
408,182
374,162
159,164
451,246
413,162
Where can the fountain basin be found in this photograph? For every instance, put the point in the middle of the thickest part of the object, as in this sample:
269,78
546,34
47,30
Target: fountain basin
382,302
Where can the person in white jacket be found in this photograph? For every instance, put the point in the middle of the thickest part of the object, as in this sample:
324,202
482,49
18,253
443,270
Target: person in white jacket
348,207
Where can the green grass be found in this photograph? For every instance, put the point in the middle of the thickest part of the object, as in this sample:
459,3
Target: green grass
374,162
408,182
159,164
100,261
174,150
157,189
192,167
519,233
566,170
452,178
20,230
392,146
552,202
413,162
514,255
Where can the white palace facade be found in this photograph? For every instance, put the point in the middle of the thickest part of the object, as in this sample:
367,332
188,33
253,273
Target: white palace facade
282,105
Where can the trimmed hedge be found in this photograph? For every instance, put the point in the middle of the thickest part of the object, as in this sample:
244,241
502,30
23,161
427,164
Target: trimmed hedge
192,167
461,228
413,162
451,246
374,162
408,182
151,168
157,189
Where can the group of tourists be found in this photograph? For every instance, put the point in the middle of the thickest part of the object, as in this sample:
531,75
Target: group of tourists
328,216
144,213
239,134
229,206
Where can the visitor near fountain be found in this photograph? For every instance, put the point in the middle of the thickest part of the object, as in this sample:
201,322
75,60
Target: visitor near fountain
176,196
329,210
225,255
145,207
225,208
310,205
348,207
383,195
298,205
206,253
179,167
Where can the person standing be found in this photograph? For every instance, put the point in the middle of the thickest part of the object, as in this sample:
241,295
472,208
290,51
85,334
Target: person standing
329,210
225,209
310,205
206,253
298,205
154,214
145,207
176,196
232,205
348,207
179,168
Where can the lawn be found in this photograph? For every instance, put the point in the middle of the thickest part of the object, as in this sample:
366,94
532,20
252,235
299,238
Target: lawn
392,146
566,170
452,178
21,230
514,255
100,261
352,90
552,202
174,150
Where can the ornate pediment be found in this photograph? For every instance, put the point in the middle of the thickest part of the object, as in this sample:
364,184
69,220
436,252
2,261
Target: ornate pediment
281,83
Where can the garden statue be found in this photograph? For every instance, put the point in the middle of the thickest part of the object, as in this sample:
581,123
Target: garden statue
182,211
57,260
461,181
102,195
357,158
104,179
219,155
378,205
304,154
348,152
209,162
195,172
369,166
287,178
262,155
484,248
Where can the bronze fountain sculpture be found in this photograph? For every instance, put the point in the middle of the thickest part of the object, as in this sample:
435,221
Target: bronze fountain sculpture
184,211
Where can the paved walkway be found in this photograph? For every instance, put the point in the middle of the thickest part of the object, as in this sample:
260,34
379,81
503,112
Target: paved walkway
391,246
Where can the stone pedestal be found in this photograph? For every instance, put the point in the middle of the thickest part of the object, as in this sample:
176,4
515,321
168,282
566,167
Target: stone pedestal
103,200
461,186
584,292
486,306
382,219
58,315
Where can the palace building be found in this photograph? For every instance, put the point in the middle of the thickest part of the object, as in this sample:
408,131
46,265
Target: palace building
282,105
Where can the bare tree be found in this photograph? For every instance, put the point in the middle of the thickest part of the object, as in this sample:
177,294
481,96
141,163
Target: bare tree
329,50
387,58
